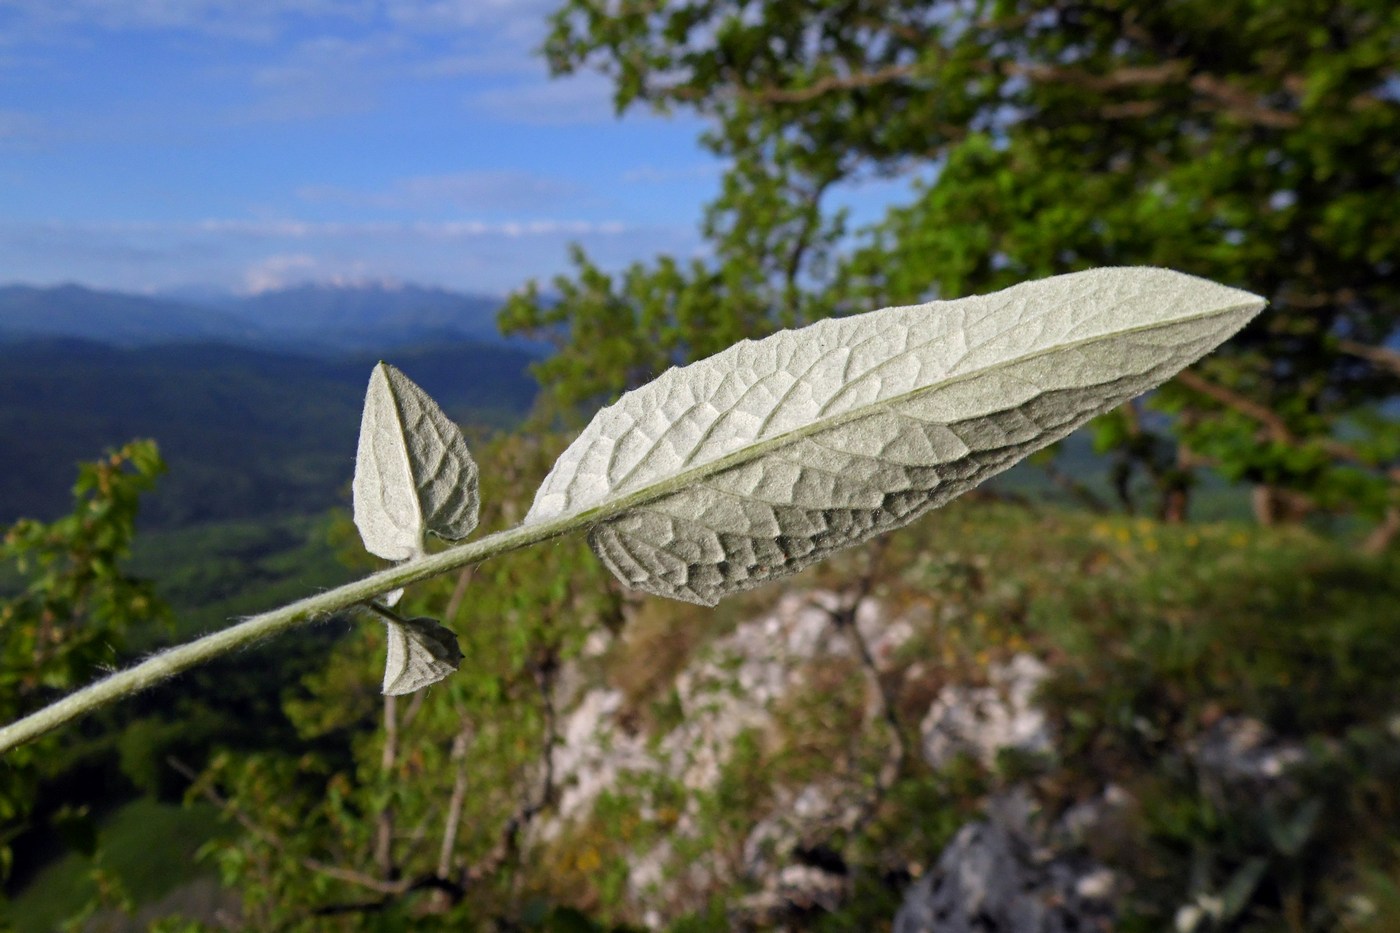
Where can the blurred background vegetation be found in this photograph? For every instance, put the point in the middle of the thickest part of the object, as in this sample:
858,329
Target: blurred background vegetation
1213,566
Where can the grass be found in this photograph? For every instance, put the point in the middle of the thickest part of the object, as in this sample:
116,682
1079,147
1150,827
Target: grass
148,847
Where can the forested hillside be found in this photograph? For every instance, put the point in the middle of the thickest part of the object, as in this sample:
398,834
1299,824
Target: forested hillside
246,432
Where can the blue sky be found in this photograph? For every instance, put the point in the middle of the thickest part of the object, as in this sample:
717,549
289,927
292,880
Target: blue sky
247,144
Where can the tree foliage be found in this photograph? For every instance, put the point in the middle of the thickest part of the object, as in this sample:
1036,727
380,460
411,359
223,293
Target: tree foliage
1255,144
70,613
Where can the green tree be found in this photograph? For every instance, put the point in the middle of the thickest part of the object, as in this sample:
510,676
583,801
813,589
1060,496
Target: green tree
1256,144
69,612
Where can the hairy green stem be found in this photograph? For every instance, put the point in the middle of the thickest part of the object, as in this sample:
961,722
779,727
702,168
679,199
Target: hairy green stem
169,663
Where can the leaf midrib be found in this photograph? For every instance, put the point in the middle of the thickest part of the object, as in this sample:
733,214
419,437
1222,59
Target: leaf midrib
613,506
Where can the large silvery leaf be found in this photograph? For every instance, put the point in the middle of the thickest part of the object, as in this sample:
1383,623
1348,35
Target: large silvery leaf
421,652
772,454
413,473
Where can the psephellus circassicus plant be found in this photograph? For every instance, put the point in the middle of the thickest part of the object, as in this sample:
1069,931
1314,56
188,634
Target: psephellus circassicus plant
754,463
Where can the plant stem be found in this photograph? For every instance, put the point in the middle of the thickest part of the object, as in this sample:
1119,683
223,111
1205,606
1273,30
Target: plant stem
169,663
256,628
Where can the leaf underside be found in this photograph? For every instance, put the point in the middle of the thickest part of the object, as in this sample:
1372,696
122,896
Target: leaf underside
773,454
413,472
421,652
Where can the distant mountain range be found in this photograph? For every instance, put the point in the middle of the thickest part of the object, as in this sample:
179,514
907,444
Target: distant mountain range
254,399
308,318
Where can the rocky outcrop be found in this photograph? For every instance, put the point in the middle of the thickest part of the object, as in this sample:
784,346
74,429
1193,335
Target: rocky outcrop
985,721
1007,872
1000,876
733,685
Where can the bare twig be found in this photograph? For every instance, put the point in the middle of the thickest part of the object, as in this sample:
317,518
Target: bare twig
446,887
1277,430
1166,72
390,890
415,704
812,217
460,743
459,593
1243,105
388,760
844,619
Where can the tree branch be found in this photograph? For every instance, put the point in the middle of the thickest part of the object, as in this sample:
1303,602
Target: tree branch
1383,534
1222,96
801,95
1128,76
445,886
1078,490
1384,357
390,890
1272,423
1243,105
811,219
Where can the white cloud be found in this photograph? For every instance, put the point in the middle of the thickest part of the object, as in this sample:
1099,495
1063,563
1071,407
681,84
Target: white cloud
470,60
468,254
521,21
320,57
335,229
477,37
474,191
256,229
250,20
324,76
279,271
584,98
652,174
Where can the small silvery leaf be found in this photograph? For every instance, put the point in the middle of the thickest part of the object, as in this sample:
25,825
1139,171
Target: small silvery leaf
413,473
422,651
766,457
